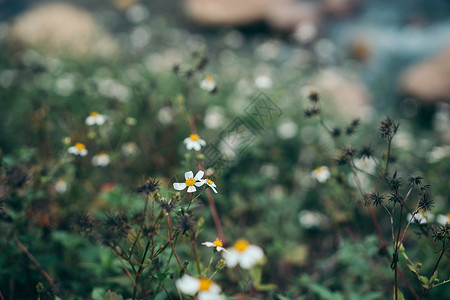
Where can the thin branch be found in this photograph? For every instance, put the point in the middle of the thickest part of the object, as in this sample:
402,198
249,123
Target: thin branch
41,269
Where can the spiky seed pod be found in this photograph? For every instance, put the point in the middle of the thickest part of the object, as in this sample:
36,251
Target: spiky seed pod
425,202
150,186
313,96
366,151
415,180
186,224
377,199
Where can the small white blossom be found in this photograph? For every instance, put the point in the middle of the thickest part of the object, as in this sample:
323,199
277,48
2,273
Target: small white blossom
194,142
420,218
263,81
61,186
101,159
443,219
95,119
305,32
438,153
208,84
321,173
243,254
78,149
217,244
129,149
191,182
311,219
211,184
206,288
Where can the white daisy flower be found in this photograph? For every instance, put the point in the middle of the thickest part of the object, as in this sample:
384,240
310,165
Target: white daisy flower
78,149
208,84
101,159
61,186
191,182
321,173
211,184
206,288
217,244
263,81
95,119
194,142
420,218
443,219
244,254
438,153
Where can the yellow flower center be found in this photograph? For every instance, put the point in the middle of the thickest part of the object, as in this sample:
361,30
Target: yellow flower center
194,137
241,245
319,169
205,284
218,243
80,146
94,114
448,215
209,181
190,181
209,78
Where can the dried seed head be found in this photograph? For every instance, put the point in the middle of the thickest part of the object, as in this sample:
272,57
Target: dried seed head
425,202
150,186
186,224
388,128
366,151
313,96
377,199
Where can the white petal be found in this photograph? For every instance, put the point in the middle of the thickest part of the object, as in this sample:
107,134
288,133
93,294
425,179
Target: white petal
231,258
188,175
209,244
199,183
210,296
100,120
196,146
250,256
199,175
188,285
255,252
179,186
72,150
214,288
83,152
219,249
202,142
246,261
191,189
90,121
212,186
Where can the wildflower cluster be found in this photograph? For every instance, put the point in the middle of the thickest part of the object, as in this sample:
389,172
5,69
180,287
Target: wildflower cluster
397,197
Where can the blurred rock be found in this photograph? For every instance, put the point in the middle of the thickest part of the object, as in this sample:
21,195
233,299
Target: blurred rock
340,8
360,49
124,4
286,16
428,80
350,96
281,14
62,29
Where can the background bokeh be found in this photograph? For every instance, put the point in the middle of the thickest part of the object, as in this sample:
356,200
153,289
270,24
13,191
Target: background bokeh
130,61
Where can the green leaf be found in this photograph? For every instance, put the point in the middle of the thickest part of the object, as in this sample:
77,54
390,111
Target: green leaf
265,287
256,274
432,278
112,296
413,269
399,294
425,281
